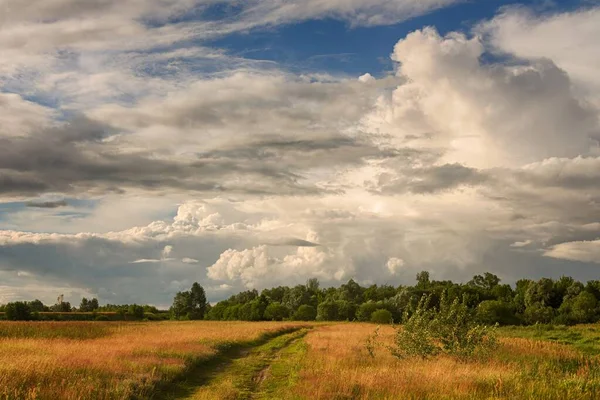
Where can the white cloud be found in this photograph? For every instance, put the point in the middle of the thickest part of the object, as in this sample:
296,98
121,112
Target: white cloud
394,264
453,165
584,251
481,115
568,39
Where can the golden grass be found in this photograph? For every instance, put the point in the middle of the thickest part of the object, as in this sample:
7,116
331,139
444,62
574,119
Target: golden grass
128,360
338,366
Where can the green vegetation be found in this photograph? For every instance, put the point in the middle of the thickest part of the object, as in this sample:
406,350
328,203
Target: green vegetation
546,301
585,338
562,301
448,329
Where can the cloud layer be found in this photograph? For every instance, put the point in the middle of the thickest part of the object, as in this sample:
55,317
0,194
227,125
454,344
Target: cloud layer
478,152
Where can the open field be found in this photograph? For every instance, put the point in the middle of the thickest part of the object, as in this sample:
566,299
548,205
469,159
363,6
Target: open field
97,360
242,360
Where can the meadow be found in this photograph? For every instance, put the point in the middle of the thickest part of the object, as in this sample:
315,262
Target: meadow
283,360
112,360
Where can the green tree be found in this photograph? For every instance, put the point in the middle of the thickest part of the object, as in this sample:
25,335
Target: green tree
305,313
423,280
197,302
382,317
17,311
490,312
365,310
276,312
37,306
182,304
88,305
216,313
136,311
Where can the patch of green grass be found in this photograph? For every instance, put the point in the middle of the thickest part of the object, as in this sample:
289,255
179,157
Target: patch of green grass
236,364
283,373
585,338
242,378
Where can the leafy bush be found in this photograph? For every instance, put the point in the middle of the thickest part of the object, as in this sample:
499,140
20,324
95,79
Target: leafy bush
382,317
450,329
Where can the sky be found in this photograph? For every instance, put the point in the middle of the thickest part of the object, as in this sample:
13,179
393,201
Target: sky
149,144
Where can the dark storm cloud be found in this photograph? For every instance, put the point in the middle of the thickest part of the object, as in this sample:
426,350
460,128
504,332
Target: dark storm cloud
47,204
428,180
84,156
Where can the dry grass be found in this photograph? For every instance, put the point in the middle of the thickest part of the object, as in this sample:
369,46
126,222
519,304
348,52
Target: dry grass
338,366
42,361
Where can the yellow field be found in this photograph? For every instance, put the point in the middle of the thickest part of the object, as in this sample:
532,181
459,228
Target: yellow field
96,360
337,365
126,359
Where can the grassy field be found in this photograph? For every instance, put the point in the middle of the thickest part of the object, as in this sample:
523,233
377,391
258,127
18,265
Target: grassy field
242,360
97,360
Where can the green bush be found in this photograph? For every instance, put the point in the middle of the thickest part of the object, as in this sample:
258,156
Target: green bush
382,317
450,329
102,318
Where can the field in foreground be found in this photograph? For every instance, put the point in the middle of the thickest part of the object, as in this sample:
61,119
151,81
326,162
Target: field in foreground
110,360
241,360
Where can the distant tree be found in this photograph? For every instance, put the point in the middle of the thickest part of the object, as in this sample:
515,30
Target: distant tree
37,306
17,311
351,292
382,317
298,296
276,294
486,282
538,313
136,311
328,311
579,309
423,280
312,285
190,304
198,302
305,313
276,312
182,304
365,310
88,305
490,312
64,306
216,313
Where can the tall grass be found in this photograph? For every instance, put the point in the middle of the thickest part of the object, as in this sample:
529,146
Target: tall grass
108,360
337,365
54,330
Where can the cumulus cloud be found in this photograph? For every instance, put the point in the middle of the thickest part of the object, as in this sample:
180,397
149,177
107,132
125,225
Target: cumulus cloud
394,264
568,39
584,251
455,164
477,113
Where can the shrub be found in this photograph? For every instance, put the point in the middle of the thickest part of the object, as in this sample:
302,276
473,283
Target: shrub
102,318
450,329
382,317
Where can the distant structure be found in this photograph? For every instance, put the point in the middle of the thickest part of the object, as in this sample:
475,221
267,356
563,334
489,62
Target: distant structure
60,299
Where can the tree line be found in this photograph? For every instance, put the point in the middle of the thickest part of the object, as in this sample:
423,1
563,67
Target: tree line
89,309
562,301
